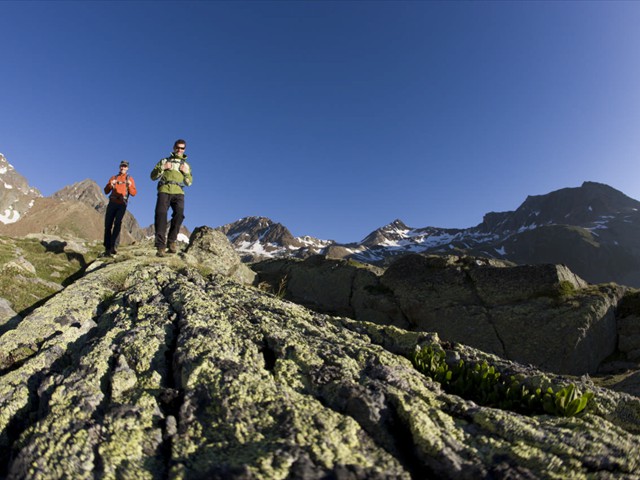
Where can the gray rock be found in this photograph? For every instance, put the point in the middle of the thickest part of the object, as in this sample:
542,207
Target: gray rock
6,312
147,369
543,314
20,263
538,314
211,249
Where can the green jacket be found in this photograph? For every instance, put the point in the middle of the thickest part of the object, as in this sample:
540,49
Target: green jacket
172,181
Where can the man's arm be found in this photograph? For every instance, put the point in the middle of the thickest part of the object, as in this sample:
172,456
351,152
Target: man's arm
109,186
185,168
156,173
132,187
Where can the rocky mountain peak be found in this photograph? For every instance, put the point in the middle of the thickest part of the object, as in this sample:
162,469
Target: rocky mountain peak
259,234
390,232
87,191
17,197
585,206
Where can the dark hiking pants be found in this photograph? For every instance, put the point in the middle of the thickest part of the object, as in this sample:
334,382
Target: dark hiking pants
113,224
176,202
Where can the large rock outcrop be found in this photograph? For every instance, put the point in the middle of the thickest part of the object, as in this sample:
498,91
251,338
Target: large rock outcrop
150,368
539,314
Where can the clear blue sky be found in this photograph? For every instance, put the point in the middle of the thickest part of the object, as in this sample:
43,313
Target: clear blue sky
332,118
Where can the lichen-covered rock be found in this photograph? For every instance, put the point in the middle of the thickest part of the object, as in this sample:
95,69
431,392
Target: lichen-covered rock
144,369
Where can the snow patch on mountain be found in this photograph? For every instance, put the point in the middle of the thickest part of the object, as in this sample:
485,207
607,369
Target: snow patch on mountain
9,216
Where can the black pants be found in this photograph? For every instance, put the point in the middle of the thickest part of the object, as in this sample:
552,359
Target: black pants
176,202
113,224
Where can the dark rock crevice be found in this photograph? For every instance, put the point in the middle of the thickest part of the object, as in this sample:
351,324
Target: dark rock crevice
269,354
172,395
376,414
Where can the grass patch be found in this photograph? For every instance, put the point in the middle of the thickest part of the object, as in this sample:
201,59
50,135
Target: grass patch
54,269
483,384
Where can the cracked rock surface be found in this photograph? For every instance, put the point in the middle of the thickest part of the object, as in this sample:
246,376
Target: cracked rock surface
150,369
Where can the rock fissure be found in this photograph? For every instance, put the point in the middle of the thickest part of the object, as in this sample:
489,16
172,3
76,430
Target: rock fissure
269,354
172,396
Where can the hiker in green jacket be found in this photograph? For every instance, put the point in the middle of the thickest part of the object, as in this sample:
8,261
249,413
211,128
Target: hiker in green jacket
173,174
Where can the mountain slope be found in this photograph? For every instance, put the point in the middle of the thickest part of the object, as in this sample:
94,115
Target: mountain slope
16,196
89,193
57,217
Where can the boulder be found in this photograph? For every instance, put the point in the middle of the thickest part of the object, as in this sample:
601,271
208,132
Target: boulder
337,287
629,326
6,313
539,314
211,249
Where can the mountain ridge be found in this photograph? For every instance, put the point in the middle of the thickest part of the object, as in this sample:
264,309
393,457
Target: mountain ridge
594,229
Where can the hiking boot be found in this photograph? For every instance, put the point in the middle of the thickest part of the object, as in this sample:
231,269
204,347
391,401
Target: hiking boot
113,251
173,247
160,252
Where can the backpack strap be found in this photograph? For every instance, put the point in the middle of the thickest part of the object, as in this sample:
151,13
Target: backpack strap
126,184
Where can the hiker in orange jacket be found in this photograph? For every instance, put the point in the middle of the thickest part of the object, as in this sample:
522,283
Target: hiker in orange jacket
120,186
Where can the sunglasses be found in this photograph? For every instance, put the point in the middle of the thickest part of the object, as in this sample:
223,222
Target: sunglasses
180,148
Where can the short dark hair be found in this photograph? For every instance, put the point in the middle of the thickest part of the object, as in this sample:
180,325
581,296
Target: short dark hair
179,142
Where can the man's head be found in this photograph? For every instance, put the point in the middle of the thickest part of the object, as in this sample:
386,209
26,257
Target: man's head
124,164
179,146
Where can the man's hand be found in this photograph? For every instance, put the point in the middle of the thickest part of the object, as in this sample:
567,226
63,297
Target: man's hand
184,168
167,166
113,183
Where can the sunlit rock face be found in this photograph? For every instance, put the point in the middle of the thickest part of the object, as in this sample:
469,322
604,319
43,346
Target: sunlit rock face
159,368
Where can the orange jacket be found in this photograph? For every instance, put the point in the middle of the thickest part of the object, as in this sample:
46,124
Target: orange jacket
121,191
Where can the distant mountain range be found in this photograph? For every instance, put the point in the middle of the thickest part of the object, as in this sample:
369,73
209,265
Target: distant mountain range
593,229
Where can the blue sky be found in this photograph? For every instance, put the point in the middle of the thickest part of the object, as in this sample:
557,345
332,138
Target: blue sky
332,118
